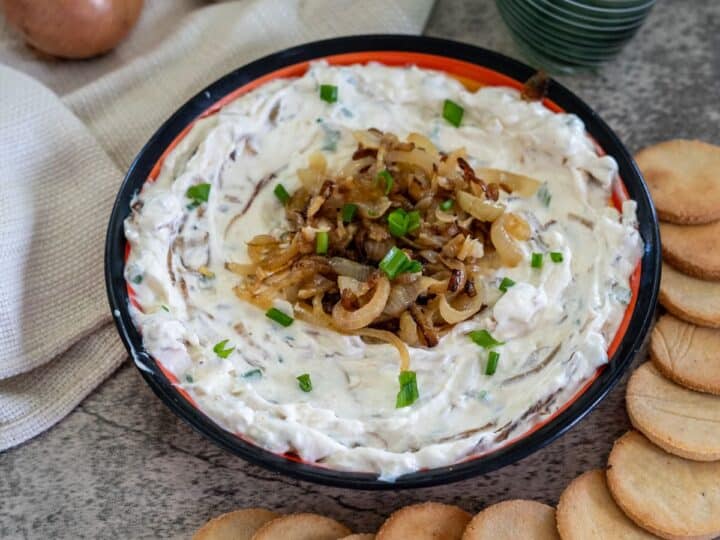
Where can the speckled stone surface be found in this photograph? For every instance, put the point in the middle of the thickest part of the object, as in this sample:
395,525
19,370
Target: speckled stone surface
122,466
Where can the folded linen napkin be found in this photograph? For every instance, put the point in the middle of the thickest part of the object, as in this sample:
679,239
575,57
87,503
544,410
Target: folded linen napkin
68,132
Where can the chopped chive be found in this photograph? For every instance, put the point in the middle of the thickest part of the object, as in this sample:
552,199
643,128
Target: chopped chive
408,393
398,222
321,242
281,193
165,308
484,339
386,177
492,362
221,350
505,284
137,280
452,112
556,256
189,378
393,262
198,194
536,261
252,374
543,193
279,317
304,382
412,267
329,93
348,212
446,205
413,221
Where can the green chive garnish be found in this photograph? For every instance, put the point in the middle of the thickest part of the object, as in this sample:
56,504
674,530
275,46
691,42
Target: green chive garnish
387,178
505,284
556,256
304,382
408,393
329,93
198,194
544,195
165,308
484,339
413,221
452,112
281,193
401,222
397,262
348,212
189,378
321,242
137,280
252,374
446,205
492,362
279,317
397,222
221,350
536,260
412,267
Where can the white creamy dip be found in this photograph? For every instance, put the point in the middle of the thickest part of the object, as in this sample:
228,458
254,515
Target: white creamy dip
557,321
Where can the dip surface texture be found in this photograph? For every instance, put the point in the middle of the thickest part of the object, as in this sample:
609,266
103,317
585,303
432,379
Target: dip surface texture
556,322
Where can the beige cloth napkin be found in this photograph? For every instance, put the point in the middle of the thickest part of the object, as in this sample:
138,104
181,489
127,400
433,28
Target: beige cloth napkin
68,132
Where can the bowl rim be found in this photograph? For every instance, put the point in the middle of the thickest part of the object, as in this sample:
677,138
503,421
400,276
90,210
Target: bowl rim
632,341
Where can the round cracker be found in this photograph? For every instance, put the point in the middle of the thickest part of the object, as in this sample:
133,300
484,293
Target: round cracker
361,536
509,520
687,354
302,527
587,511
428,520
689,298
665,494
683,179
237,525
692,249
680,421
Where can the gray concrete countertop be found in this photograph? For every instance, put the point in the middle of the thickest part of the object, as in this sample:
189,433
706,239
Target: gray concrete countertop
122,466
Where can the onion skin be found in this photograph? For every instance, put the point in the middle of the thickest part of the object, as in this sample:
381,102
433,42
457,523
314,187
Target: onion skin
72,29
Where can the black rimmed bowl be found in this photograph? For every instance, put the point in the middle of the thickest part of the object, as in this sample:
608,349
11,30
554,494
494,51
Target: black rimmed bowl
474,67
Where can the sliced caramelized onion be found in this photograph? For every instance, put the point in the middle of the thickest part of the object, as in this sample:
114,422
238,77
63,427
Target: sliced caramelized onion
374,210
240,269
403,295
364,316
518,183
509,251
392,339
408,330
357,287
517,227
482,209
354,166
346,267
421,141
368,138
413,158
452,315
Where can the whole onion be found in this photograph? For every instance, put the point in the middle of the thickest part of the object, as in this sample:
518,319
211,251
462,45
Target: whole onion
72,28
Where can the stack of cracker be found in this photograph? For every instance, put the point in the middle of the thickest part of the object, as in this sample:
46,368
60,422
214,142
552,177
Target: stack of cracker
662,479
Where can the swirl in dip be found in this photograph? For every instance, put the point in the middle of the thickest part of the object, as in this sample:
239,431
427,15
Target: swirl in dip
555,323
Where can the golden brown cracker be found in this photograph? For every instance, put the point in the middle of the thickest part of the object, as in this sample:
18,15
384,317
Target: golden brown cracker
237,525
684,180
691,299
509,520
692,249
428,520
302,527
680,421
360,536
687,354
587,511
665,494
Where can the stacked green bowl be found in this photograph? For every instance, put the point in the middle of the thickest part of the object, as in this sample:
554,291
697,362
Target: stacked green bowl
563,36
